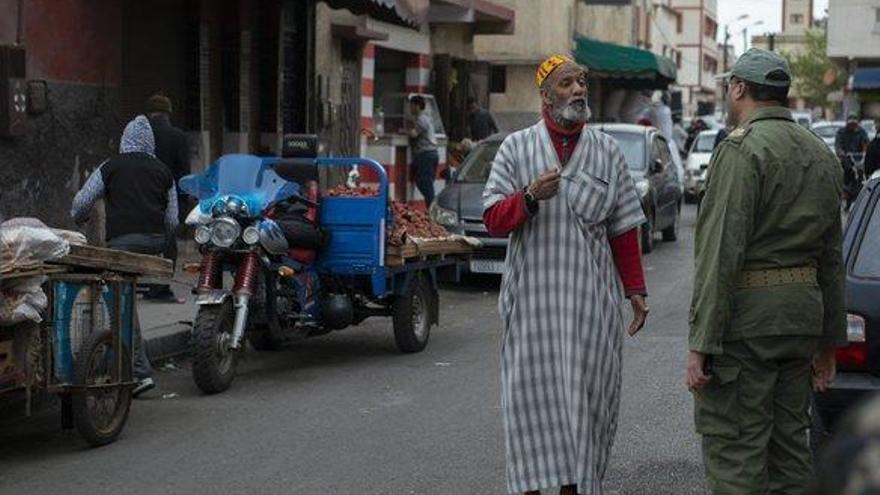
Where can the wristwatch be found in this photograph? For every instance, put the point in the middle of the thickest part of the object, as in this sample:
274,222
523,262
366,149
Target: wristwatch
531,202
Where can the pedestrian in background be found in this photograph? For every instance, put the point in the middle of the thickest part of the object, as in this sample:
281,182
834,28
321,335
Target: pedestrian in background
767,309
563,193
141,211
172,149
480,121
424,149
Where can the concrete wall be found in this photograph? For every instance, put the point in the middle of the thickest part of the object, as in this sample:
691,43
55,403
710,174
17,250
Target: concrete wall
853,30
542,28
522,101
456,40
610,23
803,8
75,45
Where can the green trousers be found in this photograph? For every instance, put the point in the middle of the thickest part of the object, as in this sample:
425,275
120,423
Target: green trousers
754,417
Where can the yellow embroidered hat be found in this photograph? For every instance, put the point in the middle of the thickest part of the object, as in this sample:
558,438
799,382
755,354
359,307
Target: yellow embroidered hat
549,65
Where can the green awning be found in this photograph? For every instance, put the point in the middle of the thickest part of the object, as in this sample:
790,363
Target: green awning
624,62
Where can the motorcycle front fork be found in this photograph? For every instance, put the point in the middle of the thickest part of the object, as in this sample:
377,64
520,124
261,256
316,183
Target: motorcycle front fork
246,279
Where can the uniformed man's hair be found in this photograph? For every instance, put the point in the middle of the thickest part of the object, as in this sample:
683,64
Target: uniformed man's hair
763,92
418,101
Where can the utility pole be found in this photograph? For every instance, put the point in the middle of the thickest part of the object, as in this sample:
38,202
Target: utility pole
771,41
745,39
726,44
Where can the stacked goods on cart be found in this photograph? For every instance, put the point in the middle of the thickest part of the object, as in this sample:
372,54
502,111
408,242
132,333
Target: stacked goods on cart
412,234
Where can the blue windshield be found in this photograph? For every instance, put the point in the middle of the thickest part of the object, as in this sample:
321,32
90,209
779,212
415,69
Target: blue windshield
250,178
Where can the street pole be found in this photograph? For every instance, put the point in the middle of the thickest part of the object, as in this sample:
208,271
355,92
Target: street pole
726,43
745,39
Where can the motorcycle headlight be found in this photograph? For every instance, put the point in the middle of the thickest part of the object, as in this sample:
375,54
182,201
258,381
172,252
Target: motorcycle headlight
203,234
235,206
224,232
642,187
443,216
251,235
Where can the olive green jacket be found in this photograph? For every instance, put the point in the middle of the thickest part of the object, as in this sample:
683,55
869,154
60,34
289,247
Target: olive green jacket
772,201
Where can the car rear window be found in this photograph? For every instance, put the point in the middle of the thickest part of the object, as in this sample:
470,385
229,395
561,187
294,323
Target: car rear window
867,264
704,143
826,131
633,147
478,163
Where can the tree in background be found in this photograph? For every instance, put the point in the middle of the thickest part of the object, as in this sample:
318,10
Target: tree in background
815,76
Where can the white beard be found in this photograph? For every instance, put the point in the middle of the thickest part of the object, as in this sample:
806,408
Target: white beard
572,111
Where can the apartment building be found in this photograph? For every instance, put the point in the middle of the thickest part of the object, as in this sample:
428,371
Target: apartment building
700,58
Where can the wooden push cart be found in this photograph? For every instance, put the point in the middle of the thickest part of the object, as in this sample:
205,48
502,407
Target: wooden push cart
83,349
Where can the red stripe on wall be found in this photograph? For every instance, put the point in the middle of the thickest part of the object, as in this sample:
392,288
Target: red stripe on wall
366,122
369,50
416,89
366,87
418,60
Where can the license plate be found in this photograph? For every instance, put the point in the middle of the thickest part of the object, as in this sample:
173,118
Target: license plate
487,266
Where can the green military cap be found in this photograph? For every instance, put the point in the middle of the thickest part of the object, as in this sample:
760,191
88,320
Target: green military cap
761,67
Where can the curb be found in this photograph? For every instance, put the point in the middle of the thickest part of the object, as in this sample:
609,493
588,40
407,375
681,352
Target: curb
171,345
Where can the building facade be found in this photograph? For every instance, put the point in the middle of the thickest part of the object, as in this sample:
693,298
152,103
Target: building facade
700,58
854,44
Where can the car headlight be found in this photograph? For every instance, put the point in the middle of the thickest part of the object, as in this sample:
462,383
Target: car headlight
443,216
203,234
642,188
224,232
251,235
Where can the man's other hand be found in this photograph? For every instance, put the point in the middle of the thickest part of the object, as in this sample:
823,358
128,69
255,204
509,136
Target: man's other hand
640,313
696,378
824,369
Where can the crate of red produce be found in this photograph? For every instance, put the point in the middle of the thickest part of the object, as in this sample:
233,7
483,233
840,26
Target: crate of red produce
367,232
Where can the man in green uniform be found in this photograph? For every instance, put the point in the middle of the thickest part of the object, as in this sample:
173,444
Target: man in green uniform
767,309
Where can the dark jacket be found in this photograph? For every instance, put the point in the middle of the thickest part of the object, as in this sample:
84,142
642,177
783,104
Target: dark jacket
172,146
482,124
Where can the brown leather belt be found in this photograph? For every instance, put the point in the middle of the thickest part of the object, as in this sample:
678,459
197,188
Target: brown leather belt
750,279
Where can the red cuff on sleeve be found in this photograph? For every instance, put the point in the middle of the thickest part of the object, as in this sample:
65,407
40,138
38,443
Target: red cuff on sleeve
628,260
507,215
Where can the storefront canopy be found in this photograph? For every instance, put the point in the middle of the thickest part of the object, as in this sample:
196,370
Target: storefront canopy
632,66
866,79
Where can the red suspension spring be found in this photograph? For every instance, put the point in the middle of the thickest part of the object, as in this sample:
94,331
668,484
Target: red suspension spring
209,275
246,276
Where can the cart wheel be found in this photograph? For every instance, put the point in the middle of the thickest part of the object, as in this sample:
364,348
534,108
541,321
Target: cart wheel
100,414
214,363
412,317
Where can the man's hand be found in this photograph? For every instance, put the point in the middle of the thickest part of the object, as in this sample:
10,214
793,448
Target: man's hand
640,313
546,186
824,369
696,378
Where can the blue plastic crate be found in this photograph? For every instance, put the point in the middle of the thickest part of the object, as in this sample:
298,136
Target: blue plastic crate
357,229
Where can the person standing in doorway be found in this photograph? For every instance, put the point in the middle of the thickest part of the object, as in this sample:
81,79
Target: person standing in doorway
480,121
563,193
424,149
172,149
767,309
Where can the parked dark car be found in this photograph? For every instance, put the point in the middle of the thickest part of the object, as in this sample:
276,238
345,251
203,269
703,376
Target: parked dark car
459,207
858,364
656,176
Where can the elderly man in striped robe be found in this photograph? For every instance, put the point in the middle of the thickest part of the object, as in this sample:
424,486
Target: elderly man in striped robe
563,193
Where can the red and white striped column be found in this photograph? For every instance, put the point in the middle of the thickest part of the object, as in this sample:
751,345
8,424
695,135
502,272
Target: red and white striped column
418,73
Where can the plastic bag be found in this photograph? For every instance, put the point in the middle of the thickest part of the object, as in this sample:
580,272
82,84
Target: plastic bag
26,242
23,301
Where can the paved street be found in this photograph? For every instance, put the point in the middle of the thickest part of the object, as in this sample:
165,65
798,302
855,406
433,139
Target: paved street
347,413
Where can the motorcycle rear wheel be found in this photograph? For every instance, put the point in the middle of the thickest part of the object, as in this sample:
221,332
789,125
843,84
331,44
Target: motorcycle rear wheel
214,363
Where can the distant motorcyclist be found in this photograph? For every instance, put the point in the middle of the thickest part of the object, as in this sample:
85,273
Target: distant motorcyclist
851,139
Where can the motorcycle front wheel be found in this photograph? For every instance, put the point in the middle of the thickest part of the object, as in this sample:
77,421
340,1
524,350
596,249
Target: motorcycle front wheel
214,361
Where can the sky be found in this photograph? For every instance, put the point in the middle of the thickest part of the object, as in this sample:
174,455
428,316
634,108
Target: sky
768,11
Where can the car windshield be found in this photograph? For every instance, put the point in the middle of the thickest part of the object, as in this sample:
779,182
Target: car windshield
826,131
478,163
633,147
704,143
868,258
